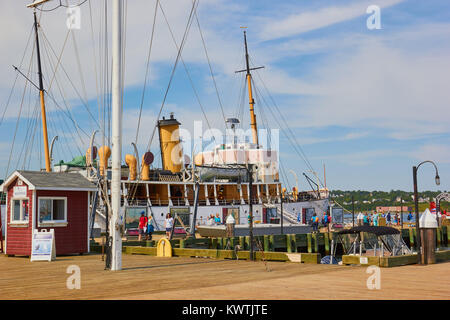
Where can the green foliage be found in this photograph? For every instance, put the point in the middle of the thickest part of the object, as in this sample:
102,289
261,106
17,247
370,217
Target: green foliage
369,200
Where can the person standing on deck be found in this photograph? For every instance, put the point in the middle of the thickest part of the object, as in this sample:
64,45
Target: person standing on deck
366,219
217,219
168,225
375,219
150,228
315,222
410,216
143,220
360,219
326,221
388,218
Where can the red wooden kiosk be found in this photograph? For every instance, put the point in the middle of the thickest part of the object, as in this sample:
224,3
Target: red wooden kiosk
47,200
1,232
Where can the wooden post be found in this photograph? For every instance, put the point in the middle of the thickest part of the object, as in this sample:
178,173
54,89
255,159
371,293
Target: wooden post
271,248
288,243
293,243
247,242
411,237
233,242
448,235
266,242
214,243
439,237
309,241
444,238
242,242
326,240
182,243
316,242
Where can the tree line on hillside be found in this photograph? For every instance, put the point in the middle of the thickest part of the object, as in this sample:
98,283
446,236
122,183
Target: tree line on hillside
369,200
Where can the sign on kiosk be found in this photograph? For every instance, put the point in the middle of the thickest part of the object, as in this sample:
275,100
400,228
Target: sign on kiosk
20,191
43,246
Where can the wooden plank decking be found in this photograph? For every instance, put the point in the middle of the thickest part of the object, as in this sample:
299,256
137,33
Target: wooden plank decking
147,277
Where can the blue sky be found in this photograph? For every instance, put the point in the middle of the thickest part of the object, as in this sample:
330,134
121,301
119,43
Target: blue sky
369,104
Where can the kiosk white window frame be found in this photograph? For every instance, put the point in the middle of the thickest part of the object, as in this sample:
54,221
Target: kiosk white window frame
22,218
52,220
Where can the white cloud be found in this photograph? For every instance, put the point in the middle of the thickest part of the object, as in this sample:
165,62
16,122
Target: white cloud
439,153
298,23
359,158
314,140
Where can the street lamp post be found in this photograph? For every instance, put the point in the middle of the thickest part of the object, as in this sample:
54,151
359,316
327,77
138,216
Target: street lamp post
416,204
401,214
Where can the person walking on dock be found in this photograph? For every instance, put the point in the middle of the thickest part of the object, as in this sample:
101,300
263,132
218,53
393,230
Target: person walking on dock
168,224
143,220
150,228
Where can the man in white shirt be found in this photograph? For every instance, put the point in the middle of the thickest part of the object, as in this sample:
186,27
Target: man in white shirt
360,219
168,224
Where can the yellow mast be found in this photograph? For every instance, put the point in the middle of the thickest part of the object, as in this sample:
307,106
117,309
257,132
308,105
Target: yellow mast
41,94
253,124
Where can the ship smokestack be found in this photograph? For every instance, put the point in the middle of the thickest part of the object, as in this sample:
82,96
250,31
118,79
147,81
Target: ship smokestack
170,144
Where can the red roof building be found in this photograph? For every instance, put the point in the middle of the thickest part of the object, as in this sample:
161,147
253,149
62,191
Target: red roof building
47,200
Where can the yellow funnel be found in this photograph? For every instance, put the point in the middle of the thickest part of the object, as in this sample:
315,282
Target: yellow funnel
169,139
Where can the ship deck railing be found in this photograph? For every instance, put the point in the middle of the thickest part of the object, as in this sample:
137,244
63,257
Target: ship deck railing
181,201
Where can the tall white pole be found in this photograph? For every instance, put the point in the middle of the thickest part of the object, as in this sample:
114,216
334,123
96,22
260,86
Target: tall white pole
116,221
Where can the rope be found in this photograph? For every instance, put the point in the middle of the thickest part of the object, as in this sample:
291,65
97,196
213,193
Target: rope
95,64
17,75
210,69
19,115
174,67
294,141
189,76
146,72
60,5
84,101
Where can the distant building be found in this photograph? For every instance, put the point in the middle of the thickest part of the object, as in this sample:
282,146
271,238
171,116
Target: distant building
393,209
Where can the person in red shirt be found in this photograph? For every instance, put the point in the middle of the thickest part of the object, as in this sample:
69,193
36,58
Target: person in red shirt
143,221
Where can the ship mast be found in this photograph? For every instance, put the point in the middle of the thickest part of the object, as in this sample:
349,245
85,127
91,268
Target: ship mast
116,221
41,91
253,124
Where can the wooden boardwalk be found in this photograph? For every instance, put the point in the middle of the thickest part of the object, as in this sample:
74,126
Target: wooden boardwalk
147,277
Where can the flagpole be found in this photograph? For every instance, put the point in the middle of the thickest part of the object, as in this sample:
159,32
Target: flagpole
116,221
